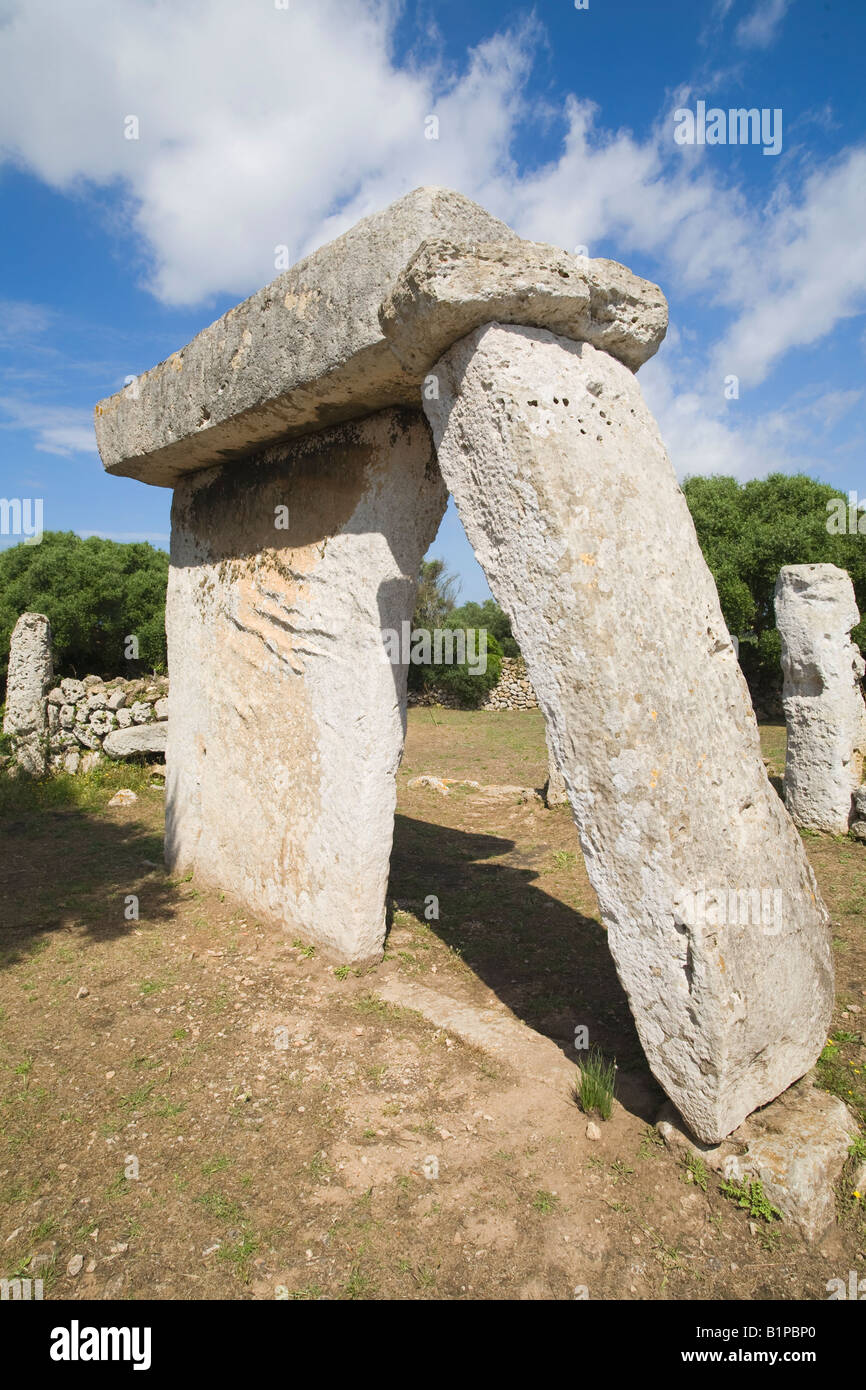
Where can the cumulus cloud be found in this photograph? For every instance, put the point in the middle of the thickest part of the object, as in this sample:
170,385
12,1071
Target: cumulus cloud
57,429
259,128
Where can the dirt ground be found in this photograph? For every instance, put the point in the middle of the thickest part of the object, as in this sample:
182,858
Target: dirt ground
200,1107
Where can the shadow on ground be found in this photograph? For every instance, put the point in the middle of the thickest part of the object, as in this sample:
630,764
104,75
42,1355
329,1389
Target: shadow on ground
547,962
66,866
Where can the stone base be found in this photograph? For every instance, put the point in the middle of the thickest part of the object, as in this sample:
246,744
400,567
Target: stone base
796,1147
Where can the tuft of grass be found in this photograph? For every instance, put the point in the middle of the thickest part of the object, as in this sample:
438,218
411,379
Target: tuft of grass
218,1205
594,1091
545,1202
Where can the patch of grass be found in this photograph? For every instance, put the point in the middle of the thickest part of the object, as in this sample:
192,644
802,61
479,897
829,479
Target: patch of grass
545,1202
696,1170
239,1253
218,1205
594,1091
565,859
306,951
343,972
137,1098
216,1165
357,1284
750,1196
650,1143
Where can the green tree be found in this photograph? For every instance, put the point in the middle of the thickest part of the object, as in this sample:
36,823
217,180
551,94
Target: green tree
435,598
747,532
490,616
95,594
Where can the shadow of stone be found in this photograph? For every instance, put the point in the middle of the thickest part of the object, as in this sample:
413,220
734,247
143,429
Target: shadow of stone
547,962
60,866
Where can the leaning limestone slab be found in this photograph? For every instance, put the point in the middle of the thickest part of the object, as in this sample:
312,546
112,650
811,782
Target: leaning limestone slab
30,673
796,1148
287,718
138,738
305,352
573,509
824,710
448,290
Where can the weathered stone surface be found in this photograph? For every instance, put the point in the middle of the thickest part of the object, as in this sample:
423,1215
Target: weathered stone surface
29,678
72,690
287,719
138,738
447,290
573,509
796,1147
305,352
824,710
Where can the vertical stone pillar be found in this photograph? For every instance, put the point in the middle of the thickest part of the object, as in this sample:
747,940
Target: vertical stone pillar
287,718
712,911
555,790
824,710
31,671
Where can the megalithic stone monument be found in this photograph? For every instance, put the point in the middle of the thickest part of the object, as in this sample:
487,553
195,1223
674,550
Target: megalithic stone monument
31,671
295,432
824,710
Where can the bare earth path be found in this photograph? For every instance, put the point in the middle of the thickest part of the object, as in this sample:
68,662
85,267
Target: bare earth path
296,1132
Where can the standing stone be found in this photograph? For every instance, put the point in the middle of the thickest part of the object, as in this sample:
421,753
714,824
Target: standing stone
555,790
712,911
31,671
287,717
824,710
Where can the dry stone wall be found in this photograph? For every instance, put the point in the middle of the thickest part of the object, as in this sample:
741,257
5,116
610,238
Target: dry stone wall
91,718
513,690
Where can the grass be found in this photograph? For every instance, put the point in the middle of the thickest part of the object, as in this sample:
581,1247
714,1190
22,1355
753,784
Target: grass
545,1202
594,1091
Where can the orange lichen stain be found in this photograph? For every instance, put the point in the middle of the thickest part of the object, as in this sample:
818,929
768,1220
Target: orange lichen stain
588,559
722,966
639,699
99,410
176,361
654,776
653,714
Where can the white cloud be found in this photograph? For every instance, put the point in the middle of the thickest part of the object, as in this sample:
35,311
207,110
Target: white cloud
261,127
57,429
759,29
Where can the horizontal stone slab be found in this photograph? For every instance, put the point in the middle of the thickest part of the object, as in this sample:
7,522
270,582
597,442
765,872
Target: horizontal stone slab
139,738
446,291
354,327
304,353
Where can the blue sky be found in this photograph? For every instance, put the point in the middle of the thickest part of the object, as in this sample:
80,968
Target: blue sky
262,126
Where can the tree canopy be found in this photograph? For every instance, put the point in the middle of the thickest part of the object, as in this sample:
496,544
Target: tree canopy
96,593
748,531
